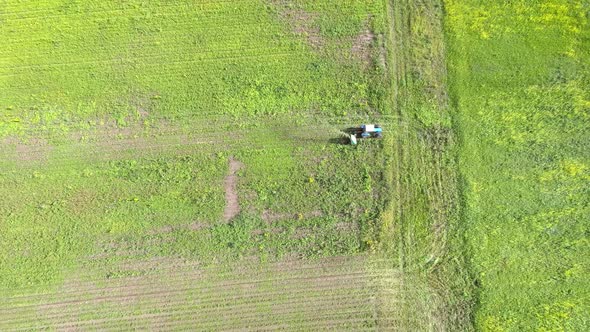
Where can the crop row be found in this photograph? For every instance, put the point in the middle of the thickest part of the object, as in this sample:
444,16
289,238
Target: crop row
157,126
174,69
296,270
196,57
350,319
231,29
116,150
212,8
287,290
216,7
165,306
113,148
99,134
241,303
79,296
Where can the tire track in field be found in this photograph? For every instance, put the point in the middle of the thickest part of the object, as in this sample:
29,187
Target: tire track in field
325,293
175,311
110,147
198,57
43,12
232,203
325,281
331,279
238,312
194,268
105,144
336,318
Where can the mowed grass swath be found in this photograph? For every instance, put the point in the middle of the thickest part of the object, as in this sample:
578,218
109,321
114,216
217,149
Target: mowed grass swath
521,85
422,226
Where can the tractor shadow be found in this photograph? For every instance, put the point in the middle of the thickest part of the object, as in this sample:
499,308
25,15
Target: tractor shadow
344,137
353,130
341,140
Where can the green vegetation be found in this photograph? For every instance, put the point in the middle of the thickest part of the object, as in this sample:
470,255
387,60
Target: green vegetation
125,128
425,230
117,124
521,82
68,66
107,106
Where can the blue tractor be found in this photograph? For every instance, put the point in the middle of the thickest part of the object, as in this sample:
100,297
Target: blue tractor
365,131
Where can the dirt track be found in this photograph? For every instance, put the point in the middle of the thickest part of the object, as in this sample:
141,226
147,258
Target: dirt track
232,204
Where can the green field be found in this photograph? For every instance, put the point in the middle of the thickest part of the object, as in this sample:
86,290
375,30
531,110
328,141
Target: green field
180,165
118,121
521,88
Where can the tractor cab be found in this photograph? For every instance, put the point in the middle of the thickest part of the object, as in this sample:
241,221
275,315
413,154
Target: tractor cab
365,131
371,131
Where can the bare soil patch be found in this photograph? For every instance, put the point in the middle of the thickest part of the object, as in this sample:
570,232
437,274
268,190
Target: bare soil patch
31,150
302,232
301,22
193,226
270,216
273,230
197,226
232,204
362,45
82,201
347,226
